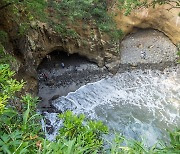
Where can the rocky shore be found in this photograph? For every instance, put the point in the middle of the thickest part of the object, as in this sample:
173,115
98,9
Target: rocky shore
61,73
64,74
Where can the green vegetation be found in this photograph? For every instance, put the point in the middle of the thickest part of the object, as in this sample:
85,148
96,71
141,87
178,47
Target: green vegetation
8,86
20,129
89,133
61,14
17,120
129,5
23,12
77,135
89,11
122,145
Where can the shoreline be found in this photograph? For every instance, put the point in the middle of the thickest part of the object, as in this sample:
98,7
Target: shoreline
67,73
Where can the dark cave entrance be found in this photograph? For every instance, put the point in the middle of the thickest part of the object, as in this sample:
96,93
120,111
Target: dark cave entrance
57,57
60,73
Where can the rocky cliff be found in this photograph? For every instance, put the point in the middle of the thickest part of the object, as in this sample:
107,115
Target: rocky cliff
90,43
163,18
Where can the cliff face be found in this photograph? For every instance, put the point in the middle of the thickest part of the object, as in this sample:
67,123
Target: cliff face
163,18
39,42
90,43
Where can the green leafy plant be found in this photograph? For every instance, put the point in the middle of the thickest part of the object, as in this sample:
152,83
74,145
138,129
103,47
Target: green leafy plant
129,5
23,12
19,132
122,145
8,85
18,129
86,132
89,11
174,145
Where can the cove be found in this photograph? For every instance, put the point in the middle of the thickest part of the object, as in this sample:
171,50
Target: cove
141,101
137,103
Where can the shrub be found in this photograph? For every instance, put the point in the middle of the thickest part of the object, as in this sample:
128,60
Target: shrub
18,129
8,86
94,11
86,133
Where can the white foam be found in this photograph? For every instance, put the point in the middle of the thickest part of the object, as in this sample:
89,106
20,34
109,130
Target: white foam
148,98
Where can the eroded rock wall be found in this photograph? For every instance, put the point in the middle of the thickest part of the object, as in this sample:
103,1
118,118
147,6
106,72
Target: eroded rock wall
90,42
163,18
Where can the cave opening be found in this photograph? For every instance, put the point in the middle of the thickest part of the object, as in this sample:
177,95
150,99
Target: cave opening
57,57
147,46
120,101
60,73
